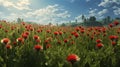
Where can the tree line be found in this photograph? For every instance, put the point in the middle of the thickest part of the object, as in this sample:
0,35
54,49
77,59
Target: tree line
91,21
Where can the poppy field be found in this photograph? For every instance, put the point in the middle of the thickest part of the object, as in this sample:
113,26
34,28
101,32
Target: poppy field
34,45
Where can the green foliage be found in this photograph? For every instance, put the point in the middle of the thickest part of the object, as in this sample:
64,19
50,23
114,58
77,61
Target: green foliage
19,20
25,55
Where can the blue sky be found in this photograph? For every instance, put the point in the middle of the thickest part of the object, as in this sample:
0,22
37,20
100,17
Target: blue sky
57,11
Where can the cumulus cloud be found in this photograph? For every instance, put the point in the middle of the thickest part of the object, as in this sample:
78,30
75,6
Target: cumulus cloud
117,11
107,3
79,18
51,13
93,12
20,4
99,14
87,0
104,11
0,13
72,1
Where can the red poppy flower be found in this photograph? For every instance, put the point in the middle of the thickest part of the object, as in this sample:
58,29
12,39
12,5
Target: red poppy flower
60,32
48,31
77,29
116,22
23,23
27,33
56,33
38,47
46,41
25,36
15,43
48,45
110,25
0,26
38,40
36,37
72,58
99,45
82,31
116,37
98,40
39,31
113,37
73,33
8,46
20,40
114,43
66,40
76,35
5,40
31,29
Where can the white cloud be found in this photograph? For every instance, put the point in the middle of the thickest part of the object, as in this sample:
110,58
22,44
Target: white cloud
95,12
72,1
117,11
2,17
98,14
20,4
107,3
79,18
116,1
104,11
51,13
87,0
0,13
114,7
11,17
92,12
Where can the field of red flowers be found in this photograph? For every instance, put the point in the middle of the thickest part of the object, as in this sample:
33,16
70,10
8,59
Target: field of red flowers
32,45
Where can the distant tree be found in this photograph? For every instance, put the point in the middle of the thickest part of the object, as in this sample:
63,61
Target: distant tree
57,24
108,18
50,24
92,19
117,18
104,21
63,24
19,20
69,22
86,20
83,18
76,21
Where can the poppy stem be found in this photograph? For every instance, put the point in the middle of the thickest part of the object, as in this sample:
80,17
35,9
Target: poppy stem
72,65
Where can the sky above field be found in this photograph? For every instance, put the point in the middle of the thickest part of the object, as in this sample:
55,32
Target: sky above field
57,11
